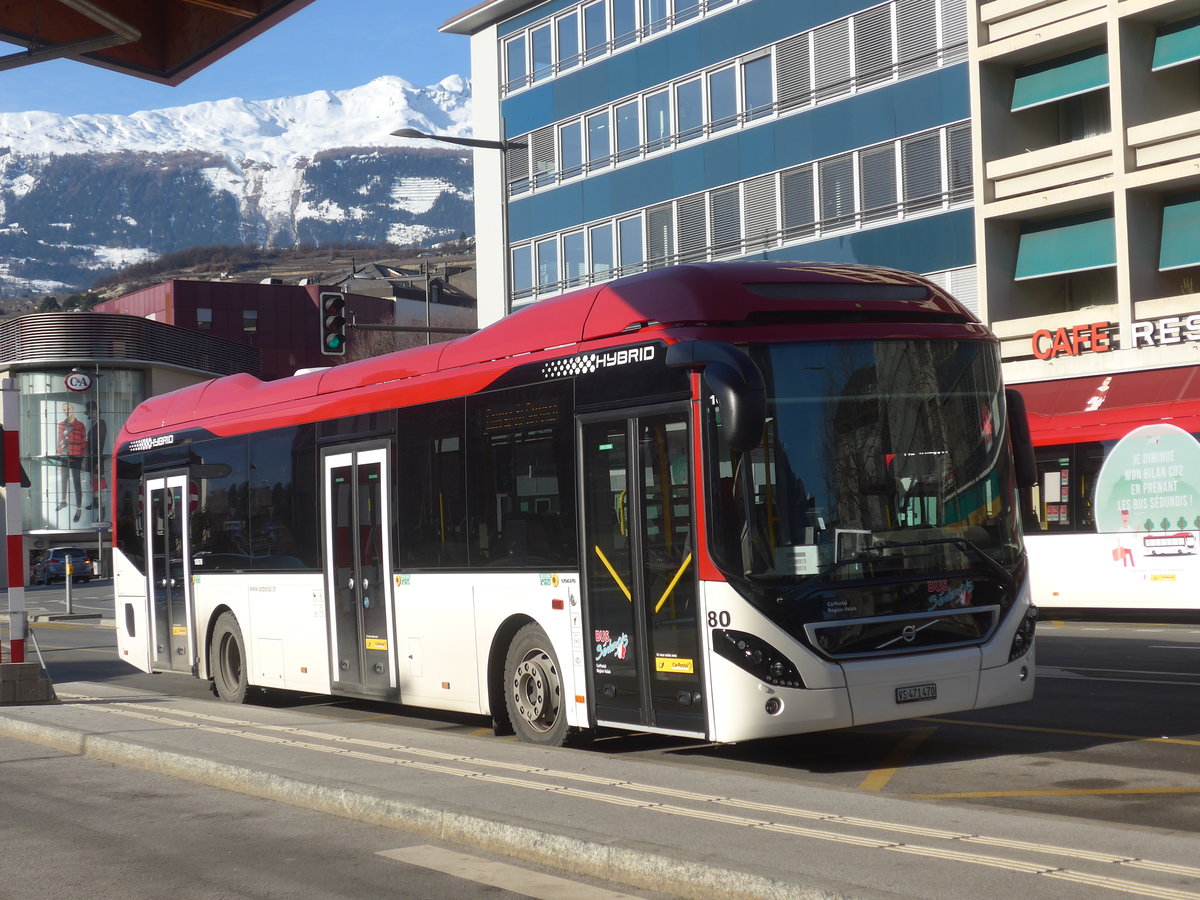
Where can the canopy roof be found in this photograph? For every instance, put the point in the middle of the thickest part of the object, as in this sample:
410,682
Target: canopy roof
160,40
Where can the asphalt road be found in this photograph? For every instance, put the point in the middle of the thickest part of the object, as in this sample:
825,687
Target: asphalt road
1112,735
78,827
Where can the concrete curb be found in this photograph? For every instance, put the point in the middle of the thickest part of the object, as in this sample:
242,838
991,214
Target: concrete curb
632,865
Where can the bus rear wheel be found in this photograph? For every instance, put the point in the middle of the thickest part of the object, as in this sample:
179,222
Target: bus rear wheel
533,689
227,660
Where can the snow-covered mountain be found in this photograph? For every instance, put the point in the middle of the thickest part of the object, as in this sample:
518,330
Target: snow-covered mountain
81,196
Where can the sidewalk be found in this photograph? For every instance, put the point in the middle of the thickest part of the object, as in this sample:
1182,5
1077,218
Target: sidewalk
670,828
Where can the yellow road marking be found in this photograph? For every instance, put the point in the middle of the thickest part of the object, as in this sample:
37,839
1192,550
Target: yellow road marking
1037,729
877,780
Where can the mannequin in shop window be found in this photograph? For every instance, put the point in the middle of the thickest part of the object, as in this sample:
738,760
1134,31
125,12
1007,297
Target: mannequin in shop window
97,433
72,444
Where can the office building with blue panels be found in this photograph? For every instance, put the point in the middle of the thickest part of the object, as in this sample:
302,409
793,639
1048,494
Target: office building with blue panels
643,133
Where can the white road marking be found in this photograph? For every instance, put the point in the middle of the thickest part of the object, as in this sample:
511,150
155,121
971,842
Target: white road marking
501,875
473,767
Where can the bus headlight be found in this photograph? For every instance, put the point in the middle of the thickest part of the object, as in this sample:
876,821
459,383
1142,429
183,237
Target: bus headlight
1023,639
757,657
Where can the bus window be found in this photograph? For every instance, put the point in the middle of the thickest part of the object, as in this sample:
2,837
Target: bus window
1066,486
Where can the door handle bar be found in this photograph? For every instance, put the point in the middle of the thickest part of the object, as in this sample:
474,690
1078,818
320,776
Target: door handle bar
613,573
674,581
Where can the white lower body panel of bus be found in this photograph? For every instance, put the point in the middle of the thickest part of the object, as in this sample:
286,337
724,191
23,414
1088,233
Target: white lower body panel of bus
856,692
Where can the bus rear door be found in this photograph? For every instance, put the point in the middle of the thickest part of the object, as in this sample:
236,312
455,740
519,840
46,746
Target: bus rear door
358,571
640,574
168,561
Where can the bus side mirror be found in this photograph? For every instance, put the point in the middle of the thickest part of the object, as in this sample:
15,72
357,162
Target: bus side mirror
736,385
1024,463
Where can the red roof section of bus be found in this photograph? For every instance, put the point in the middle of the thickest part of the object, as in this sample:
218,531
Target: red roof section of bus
695,294
1107,407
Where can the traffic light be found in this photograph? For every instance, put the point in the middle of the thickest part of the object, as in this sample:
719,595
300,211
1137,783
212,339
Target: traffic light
333,323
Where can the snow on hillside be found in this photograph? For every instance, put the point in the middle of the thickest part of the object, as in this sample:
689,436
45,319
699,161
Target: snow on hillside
92,192
267,130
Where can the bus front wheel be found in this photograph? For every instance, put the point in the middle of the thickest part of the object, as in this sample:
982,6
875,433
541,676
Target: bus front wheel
533,689
227,660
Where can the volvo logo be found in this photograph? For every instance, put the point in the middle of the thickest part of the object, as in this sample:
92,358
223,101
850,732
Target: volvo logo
908,634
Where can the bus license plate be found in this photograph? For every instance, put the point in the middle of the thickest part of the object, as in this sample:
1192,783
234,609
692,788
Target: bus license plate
916,692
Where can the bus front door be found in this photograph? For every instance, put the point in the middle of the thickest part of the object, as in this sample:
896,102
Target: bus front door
358,590
639,572
167,565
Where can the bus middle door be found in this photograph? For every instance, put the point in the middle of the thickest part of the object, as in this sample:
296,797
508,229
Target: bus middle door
167,566
640,574
358,573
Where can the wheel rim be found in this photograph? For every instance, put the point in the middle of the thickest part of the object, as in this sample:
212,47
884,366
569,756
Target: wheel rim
536,690
231,662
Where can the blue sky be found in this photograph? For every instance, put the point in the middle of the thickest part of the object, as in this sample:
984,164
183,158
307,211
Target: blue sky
328,45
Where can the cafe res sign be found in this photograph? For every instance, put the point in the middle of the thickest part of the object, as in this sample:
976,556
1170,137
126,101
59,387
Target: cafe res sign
1100,337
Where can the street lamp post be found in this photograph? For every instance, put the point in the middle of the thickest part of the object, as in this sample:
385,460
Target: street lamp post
483,143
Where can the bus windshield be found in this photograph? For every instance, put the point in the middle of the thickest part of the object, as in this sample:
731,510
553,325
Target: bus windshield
878,459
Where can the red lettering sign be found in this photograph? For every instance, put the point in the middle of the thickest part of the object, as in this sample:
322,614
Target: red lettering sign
1072,341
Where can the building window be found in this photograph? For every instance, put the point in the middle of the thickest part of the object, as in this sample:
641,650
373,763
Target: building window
660,233
654,15
203,319
595,30
693,228
837,190
522,271
547,263
629,237
574,259
570,142
600,245
658,120
599,151
758,96
799,215
831,50
877,169
624,22
689,109
249,321
514,59
628,133
722,98
921,159
726,215
567,34
540,43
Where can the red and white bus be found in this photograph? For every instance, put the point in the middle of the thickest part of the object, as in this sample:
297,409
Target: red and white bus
1118,491
722,501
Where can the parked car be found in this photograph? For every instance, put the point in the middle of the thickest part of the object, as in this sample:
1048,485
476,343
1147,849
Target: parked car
52,565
